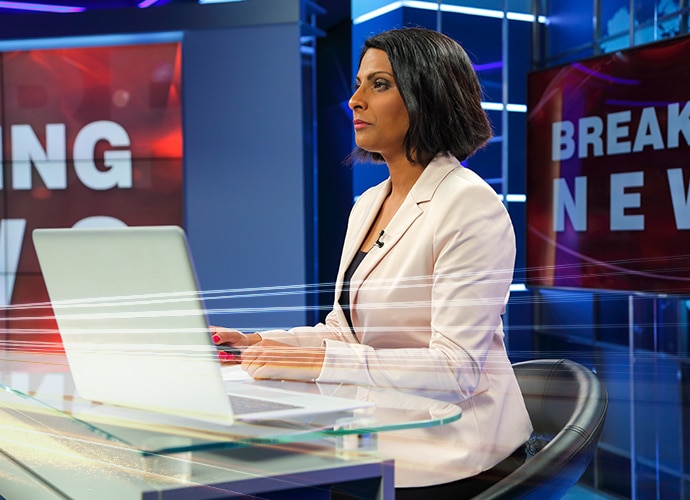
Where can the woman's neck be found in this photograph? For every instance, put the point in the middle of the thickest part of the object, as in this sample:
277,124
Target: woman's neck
403,175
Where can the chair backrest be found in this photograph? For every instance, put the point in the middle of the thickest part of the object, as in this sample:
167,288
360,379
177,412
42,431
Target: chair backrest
567,405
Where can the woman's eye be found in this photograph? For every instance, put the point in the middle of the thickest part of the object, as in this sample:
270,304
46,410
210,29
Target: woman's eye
375,84
380,84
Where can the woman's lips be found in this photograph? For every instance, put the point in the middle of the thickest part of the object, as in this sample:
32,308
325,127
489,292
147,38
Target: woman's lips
359,124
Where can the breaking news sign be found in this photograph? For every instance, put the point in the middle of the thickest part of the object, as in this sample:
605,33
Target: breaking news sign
608,172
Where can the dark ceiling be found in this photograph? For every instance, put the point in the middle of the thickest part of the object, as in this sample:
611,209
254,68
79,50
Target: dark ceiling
88,4
336,11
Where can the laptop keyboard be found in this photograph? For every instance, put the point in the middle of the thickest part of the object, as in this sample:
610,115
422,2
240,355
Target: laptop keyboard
243,406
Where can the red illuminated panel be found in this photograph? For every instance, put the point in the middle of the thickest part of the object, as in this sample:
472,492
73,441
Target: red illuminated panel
89,136
608,172
30,322
136,87
154,199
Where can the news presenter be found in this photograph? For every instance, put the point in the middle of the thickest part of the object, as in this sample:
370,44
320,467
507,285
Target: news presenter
428,260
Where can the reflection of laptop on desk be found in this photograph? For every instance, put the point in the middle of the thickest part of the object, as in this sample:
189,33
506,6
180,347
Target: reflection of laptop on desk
135,331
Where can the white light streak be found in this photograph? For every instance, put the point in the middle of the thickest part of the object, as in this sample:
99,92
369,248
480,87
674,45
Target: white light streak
90,41
456,9
514,198
497,106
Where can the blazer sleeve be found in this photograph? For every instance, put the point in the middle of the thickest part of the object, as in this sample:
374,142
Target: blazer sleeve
311,336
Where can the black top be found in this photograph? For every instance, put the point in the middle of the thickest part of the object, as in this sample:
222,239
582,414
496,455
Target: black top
344,299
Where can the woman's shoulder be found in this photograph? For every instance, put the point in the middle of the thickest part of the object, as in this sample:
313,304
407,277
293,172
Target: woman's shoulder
462,181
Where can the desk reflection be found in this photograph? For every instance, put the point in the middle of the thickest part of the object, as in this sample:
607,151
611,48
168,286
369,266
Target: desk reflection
392,409
46,452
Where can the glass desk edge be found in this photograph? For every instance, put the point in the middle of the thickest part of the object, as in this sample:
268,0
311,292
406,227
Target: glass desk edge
203,439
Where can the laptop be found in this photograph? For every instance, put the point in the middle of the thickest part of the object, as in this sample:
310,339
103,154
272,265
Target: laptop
135,331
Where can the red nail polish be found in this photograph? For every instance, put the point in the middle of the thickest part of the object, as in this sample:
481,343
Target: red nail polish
216,338
226,356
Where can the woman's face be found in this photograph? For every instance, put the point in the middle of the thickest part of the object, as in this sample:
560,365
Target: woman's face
379,115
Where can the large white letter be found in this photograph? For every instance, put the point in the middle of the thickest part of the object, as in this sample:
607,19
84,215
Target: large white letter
615,129
680,197
678,122
648,132
562,143
50,162
576,207
589,132
620,200
11,239
119,163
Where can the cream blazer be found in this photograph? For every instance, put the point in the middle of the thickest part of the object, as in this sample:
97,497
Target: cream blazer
426,310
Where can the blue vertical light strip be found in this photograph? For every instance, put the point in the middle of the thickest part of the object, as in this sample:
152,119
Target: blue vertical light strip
657,417
631,388
309,13
505,141
504,101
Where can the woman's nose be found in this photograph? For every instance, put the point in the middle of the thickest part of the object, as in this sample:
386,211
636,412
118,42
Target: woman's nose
356,100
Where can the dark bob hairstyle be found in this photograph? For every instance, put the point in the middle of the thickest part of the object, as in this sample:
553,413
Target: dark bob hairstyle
440,90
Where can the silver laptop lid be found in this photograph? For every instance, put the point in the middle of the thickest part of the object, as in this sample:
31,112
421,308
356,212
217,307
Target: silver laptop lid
132,323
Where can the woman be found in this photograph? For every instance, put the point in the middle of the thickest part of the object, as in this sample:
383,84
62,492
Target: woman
425,272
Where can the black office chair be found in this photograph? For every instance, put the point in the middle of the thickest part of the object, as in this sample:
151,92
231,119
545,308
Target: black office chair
567,404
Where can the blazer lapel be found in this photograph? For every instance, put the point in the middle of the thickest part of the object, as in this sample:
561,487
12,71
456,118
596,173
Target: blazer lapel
362,226
359,229
413,206
401,221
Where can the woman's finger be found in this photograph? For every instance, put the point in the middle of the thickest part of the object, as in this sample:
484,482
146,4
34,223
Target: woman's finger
230,336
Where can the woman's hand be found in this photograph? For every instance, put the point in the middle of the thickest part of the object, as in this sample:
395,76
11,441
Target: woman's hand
269,359
231,343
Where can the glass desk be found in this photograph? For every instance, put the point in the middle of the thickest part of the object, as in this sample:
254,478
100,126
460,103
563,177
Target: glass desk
45,441
392,410
47,454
